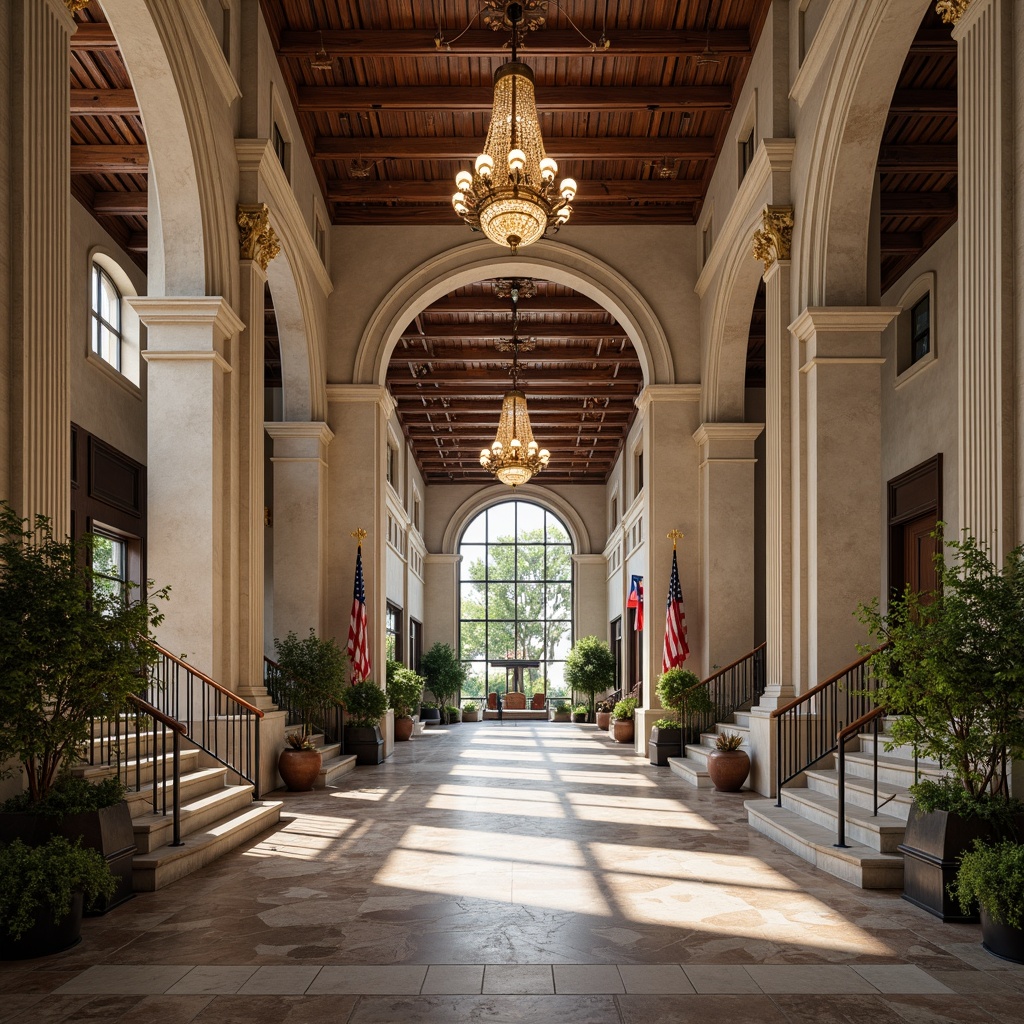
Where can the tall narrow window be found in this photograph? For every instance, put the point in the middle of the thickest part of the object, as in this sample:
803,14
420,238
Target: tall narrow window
920,329
415,644
281,148
110,563
106,317
616,645
391,465
393,631
746,153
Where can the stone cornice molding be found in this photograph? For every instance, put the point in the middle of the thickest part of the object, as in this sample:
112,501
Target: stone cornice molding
951,11
442,559
212,311
356,393
843,319
210,53
589,559
667,393
256,238
187,356
773,241
709,433
316,430
816,60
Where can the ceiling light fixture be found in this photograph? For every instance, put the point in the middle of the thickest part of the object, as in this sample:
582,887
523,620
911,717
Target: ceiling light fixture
321,60
510,195
514,456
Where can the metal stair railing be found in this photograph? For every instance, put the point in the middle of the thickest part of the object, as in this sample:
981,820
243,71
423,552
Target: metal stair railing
330,721
731,689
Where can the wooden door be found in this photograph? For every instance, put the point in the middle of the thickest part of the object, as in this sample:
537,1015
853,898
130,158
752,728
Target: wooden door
919,550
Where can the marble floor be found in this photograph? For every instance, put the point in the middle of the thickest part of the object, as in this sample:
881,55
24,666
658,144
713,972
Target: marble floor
521,873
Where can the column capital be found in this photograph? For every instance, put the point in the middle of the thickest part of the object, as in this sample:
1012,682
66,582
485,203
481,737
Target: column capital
589,560
315,430
730,437
256,238
843,319
774,239
205,311
667,393
951,11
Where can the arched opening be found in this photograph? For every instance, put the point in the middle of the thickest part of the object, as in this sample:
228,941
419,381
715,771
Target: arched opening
515,601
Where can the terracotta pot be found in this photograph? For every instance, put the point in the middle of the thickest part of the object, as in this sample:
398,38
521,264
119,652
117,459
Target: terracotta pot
299,768
603,719
728,769
403,728
622,730
471,716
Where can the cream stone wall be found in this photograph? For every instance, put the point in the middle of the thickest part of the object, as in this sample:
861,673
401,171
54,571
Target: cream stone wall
103,401
6,149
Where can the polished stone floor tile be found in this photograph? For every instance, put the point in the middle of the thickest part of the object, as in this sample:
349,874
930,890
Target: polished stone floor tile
214,981
166,1010
363,980
836,1009
454,979
900,978
698,1009
809,979
939,1009
494,1009
662,979
716,979
513,979
586,979
125,980
325,1009
290,980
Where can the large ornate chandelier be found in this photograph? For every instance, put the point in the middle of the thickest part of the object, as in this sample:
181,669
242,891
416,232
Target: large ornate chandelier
514,456
510,196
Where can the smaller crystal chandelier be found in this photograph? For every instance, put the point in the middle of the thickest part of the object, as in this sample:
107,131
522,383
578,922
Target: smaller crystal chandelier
510,196
514,456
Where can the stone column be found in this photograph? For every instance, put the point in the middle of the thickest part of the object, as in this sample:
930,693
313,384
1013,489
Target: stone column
671,415
299,524
841,371
258,246
188,463
35,260
726,542
590,581
983,30
441,596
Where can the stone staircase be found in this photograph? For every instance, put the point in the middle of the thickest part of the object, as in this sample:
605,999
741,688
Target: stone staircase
335,763
217,814
694,766
807,821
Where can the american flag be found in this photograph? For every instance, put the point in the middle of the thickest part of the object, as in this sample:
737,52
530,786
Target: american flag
636,600
676,648
358,651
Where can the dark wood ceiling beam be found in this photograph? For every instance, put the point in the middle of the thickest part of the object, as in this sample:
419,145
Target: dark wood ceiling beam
440,353
900,243
101,102
138,241
649,190
325,99
562,147
934,41
492,304
533,374
918,204
120,204
913,159
484,43
409,409
563,386
473,441
93,35
923,101
109,159
486,332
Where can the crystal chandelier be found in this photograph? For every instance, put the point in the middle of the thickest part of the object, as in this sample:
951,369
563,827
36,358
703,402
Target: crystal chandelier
511,195
514,456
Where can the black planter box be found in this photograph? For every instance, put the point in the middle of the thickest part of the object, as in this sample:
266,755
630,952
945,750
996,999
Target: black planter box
366,743
45,937
1001,940
663,744
430,716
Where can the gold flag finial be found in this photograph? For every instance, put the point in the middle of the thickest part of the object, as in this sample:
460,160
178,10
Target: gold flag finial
360,535
674,535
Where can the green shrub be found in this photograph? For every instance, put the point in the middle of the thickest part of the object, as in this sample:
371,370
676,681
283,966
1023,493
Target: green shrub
590,666
405,689
70,795
470,707
667,723
580,709
312,677
366,703
679,690
625,709
994,876
43,879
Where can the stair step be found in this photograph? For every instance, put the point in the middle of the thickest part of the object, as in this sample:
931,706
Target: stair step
192,786
857,864
155,830
892,771
332,770
709,739
189,759
902,752
152,871
860,791
882,834
691,771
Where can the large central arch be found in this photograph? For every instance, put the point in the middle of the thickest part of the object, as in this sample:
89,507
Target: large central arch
479,261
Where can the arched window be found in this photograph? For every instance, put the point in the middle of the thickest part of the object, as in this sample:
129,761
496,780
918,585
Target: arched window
106,317
515,598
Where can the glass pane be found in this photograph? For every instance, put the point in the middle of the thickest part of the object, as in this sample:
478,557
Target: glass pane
476,532
559,601
501,640
473,601
501,562
559,566
559,640
473,561
501,600
476,681
501,522
474,639
530,639
531,562
533,680
920,316
529,521
556,532
556,679
530,600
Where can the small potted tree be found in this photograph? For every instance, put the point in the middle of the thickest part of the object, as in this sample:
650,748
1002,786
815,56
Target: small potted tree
73,650
622,720
312,682
992,877
365,704
405,690
580,713
590,668
679,690
445,675
952,670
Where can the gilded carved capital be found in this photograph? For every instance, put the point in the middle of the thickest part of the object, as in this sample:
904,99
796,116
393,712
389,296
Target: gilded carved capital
774,239
74,6
256,238
951,11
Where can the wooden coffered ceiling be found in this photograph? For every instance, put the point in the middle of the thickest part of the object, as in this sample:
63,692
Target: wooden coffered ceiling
639,125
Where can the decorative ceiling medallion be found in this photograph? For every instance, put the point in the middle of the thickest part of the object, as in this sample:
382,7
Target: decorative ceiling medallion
532,15
525,288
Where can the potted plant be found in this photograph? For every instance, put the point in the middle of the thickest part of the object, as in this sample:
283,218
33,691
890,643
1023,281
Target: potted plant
590,667
580,712
560,711
452,714
470,712
42,892
73,649
622,723
952,670
993,877
430,713
365,704
728,766
603,713
680,690
445,674
666,737
405,690
312,682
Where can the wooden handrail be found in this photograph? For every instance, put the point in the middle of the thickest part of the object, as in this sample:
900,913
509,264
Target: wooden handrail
797,701
206,679
157,715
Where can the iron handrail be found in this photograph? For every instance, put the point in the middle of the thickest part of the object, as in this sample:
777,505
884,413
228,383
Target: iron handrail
731,689
821,711
844,735
333,730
